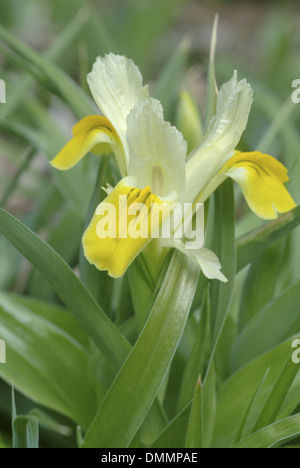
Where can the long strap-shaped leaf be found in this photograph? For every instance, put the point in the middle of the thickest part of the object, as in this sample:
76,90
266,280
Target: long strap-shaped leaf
277,395
135,387
69,288
274,435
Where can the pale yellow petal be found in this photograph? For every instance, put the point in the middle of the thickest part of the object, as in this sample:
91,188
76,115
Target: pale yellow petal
206,259
117,86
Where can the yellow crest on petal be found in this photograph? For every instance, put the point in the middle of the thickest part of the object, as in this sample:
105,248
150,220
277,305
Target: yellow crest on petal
261,178
122,226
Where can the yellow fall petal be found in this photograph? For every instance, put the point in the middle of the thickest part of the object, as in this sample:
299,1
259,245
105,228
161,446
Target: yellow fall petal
122,226
261,178
93,133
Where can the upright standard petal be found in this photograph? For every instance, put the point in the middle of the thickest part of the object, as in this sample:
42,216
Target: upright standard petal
123,224
94,133
116,85
157,150
223,134
261,178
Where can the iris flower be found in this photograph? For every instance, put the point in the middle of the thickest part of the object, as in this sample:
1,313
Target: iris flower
154,167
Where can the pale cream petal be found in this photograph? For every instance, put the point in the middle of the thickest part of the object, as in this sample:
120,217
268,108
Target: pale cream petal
157,150
224,132
116,85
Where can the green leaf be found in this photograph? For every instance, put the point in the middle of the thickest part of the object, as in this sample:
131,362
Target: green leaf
64,238
13,182
109,340
50,143
224,247
9,265
195,364
209,405
167,85
25,429
274,435
71,291
236,393
257,241
50,423
55,50
13,404
153,424
212,89
136,385
240,431
280,118
173,436
141,289
47,356
79,436
271,105
99,29
254,340
49,74
146,21
2,442
277,395
260,284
